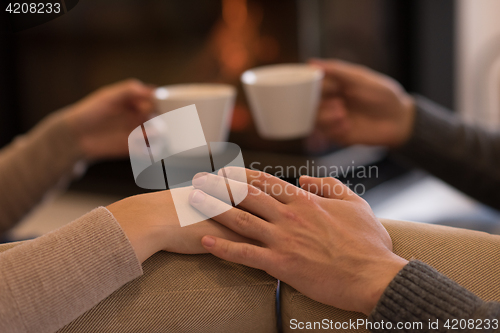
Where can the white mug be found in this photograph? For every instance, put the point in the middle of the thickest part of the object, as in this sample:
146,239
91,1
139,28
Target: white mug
283,99
214,103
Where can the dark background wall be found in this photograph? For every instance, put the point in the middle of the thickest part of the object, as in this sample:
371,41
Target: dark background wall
162,42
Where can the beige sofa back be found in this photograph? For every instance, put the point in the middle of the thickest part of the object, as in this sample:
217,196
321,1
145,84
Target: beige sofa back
201,293
185,293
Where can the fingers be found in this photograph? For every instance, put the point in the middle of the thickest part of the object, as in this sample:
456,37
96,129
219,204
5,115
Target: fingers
240,253
135,92
144,105
344,71
340,76
132,88
331,110
235,219
187,239
327,187
219,185
244,195
142,96
213,185
275,187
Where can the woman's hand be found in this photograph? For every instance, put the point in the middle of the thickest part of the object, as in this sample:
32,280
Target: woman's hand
325,241
103,120
361,106
151,224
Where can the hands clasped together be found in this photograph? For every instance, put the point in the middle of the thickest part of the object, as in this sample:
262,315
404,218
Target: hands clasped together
321,239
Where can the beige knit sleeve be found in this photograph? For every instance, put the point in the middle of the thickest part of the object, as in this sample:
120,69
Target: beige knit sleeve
50,281
33,164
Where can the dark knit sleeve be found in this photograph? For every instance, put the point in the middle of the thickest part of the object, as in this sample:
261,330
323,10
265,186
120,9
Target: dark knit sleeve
465,156
420,297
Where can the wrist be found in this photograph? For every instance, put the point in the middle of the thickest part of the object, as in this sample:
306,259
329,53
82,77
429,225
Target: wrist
407,120
76,123
383,273
145,239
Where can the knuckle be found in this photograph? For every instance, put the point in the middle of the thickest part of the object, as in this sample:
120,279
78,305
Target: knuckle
294,218
253,190
303,197
287,213
330,183
290,189
225,248
254,183
254,177
350,195
263,177
245,252
242,219
334,180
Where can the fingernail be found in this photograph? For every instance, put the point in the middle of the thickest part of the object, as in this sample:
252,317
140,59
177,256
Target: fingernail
208,241
198,181
197,197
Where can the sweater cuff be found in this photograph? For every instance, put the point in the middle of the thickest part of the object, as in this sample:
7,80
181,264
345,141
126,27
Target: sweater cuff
57,277
419,293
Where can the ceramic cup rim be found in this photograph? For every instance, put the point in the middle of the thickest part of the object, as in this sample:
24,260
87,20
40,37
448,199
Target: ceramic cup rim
250,77
221,90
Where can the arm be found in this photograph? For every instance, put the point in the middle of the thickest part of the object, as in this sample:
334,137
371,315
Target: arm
50,281
361,106
465,156
33,164
96,127
326,243
418,293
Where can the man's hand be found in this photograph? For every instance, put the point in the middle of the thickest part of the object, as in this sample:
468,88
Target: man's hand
361,106
103,120
322,240
151,225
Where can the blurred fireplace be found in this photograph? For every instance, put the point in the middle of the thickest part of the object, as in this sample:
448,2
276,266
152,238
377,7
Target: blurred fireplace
170,41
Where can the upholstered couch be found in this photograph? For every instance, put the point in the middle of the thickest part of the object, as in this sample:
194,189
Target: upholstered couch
201,293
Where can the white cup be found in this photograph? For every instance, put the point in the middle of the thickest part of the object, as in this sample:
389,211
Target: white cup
214,103
283,99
